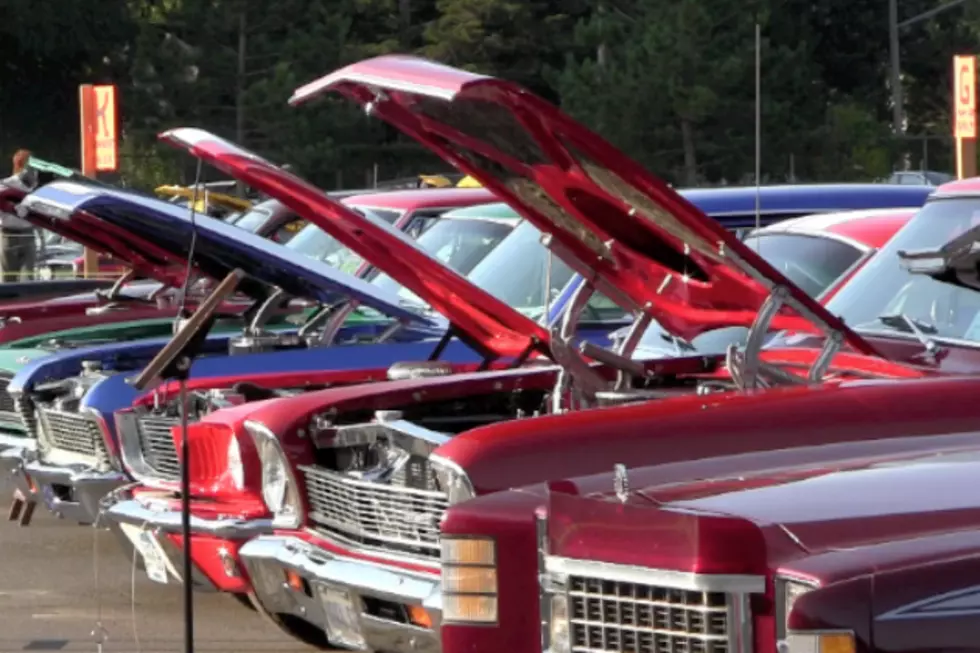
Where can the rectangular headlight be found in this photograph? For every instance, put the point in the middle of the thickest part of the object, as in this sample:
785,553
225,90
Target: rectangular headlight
469,580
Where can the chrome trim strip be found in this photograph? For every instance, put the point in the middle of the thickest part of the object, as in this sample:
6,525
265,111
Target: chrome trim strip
544,595
779,597
742,584
740,623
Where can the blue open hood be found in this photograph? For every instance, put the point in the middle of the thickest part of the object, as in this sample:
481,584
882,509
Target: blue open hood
156,235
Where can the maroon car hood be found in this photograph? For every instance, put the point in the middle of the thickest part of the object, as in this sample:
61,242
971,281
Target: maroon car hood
843,506
636,239
476,314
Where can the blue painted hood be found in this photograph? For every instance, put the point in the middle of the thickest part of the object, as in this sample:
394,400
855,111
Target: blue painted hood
114,393
131,226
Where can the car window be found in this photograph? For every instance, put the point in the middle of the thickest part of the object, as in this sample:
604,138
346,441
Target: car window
811,262
253,220
287,231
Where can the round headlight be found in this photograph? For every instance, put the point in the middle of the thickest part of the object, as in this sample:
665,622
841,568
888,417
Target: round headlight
235,466
274,481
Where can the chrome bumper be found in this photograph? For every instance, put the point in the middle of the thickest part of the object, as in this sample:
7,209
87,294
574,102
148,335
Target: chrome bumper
267,557
12,463
73,493
121,507
8,441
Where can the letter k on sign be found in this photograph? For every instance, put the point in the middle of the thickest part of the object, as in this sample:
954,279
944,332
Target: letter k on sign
105,128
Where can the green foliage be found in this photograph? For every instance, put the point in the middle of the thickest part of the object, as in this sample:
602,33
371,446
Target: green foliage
671,82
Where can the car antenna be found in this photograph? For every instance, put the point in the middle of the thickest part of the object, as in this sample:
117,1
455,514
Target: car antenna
758,126
185,500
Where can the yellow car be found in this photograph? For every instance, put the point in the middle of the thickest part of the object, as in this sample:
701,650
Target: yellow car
210,202
441,181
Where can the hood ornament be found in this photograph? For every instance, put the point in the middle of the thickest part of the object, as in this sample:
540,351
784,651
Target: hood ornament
621,482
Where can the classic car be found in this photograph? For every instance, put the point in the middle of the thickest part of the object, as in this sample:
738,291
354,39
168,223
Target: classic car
141,508
371,469
267,219
49,389
226,515
801,546
67,398
209,198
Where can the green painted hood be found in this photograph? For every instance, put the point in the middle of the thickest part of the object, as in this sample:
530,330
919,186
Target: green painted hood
13,360
150,328
92,335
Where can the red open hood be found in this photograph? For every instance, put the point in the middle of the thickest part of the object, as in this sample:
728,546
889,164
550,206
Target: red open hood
634,238
475,314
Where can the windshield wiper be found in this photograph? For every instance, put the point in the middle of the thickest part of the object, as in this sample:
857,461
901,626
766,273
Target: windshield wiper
679,343
919,328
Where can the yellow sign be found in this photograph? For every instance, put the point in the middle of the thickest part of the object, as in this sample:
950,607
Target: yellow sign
965,96
106,141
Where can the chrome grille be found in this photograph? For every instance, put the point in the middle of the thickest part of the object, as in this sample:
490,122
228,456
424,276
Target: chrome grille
157,445
622,617
373,513
28,417
73,432
6,400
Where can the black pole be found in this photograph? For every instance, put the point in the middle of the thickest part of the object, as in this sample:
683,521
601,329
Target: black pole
185,519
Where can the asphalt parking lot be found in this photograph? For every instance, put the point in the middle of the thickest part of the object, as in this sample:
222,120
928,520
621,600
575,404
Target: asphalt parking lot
49,601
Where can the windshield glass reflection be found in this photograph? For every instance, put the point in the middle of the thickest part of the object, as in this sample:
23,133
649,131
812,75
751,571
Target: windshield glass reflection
882,294
314,242
460,244
517,271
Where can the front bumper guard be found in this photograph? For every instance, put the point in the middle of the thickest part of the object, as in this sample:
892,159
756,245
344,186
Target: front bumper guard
367,586
12,462
121,507
71,492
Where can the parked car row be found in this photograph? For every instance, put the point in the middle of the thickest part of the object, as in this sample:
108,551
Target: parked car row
570,410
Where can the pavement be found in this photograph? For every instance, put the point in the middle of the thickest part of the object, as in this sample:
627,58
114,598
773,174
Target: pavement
50,599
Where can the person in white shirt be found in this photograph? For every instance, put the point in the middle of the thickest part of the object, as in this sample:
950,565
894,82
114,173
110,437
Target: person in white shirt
18,247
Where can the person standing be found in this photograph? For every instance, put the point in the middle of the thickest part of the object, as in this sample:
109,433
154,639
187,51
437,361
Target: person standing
18,249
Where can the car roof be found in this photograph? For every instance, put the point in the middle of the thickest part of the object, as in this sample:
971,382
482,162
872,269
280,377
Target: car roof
803,199
865,229
422,198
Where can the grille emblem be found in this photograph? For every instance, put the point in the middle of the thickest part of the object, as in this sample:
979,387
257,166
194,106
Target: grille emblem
621,482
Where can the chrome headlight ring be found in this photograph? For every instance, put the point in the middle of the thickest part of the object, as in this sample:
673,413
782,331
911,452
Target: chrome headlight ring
279,489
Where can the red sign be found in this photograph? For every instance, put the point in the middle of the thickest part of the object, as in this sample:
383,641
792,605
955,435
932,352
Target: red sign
100,142
965,96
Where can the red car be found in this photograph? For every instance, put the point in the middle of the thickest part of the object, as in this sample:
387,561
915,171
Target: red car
680,269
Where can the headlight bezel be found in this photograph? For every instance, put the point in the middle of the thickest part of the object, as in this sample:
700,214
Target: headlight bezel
787,590
288,511
452,479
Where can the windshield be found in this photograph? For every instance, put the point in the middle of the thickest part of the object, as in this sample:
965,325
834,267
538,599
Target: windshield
517,271
253,220
388,215
882,288
457,243
314,242
813,263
